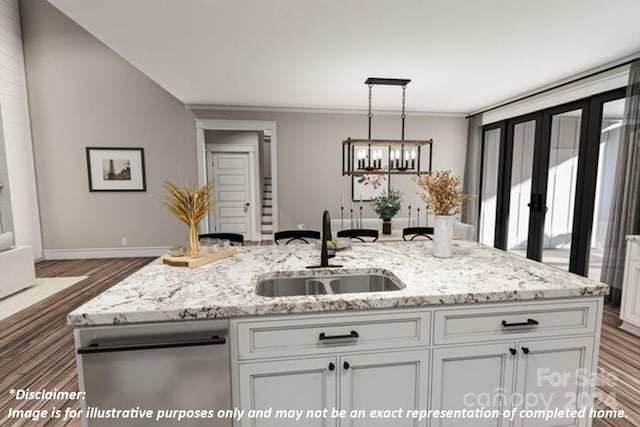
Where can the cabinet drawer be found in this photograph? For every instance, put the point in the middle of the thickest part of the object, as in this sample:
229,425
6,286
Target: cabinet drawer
515,321
295,335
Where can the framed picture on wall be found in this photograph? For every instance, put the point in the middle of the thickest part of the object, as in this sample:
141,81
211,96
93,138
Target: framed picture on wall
116,169
368,187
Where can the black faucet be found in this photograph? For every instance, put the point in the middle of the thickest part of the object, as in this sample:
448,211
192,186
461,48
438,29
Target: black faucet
326,235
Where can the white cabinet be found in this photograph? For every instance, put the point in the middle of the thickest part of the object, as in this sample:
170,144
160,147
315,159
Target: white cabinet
630,308
554,374
304,384
472,377
383,381
547,374
359,381
370,361
490,356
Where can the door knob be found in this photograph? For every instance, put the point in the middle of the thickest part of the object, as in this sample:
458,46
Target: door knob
346,365
247,204
513,351
332,366
525,350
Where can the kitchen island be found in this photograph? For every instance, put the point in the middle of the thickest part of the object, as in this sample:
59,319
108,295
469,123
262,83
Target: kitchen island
480,330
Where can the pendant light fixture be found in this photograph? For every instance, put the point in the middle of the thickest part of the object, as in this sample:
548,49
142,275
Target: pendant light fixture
384,156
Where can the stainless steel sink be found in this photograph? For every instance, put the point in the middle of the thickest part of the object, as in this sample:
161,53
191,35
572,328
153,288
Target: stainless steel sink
326,283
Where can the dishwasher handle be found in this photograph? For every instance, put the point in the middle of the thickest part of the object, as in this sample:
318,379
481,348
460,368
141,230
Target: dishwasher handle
97,348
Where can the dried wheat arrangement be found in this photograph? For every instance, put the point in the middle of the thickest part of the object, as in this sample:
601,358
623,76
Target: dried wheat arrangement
190,205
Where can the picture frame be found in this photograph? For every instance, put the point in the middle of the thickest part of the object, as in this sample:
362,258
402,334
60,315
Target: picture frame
369,186
116,169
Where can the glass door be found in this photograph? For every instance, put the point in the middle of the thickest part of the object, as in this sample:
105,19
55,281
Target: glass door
554,183
516,183
491,143
560,152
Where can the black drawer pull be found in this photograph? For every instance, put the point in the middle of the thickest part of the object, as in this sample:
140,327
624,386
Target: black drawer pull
513,351
332,366
351,335
97,348
346,365
529,322
525,350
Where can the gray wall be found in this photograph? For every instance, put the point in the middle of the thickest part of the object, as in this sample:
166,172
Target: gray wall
82,94
310,163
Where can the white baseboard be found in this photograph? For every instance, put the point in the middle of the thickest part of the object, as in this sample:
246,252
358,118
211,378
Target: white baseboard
126,252
626,326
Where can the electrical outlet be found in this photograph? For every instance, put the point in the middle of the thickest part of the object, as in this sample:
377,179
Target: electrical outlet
124,241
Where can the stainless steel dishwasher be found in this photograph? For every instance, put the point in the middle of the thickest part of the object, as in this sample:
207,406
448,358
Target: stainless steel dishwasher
155,366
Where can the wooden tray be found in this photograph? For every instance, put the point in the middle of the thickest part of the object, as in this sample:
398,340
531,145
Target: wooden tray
185,261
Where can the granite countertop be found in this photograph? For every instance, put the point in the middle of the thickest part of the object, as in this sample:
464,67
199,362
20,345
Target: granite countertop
476,273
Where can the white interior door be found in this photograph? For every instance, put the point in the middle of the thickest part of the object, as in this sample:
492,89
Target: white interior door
231,176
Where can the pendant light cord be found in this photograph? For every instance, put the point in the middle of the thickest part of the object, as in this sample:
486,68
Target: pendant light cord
370,115
404,102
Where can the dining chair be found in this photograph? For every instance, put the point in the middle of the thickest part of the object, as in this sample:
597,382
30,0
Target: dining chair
293,235
414,232
232,237
359,234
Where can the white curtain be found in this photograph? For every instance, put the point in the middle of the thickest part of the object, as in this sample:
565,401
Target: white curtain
471,180
625,208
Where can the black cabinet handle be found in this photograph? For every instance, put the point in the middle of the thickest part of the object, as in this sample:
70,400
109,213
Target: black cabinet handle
529,322
346,365
525,350
97,348
332,366
513,351
351,335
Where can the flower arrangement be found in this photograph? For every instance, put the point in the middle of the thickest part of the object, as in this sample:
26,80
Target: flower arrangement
444,194
373,180
387,204
190,205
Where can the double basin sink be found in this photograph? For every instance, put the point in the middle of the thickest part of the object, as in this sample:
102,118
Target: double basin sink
300,283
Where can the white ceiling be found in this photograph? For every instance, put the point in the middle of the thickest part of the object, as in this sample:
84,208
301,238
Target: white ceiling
462,55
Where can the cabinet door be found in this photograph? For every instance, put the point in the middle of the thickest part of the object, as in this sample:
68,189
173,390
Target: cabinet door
472,377
630,310
554,374
383,381
303,384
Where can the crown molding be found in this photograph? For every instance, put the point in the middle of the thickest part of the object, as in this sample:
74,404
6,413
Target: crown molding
316,110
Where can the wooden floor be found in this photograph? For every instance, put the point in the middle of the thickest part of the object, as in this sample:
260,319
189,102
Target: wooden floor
619,372
36,346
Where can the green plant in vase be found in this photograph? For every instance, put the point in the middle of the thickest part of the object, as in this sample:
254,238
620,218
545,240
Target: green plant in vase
387,206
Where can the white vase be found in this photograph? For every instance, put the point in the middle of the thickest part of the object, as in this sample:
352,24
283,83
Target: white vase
443,236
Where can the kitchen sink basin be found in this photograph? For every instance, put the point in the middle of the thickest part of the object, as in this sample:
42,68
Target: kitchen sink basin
302,283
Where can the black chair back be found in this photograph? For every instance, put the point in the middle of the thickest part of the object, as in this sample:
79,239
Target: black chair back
359,233
232,237
414,232
301,235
